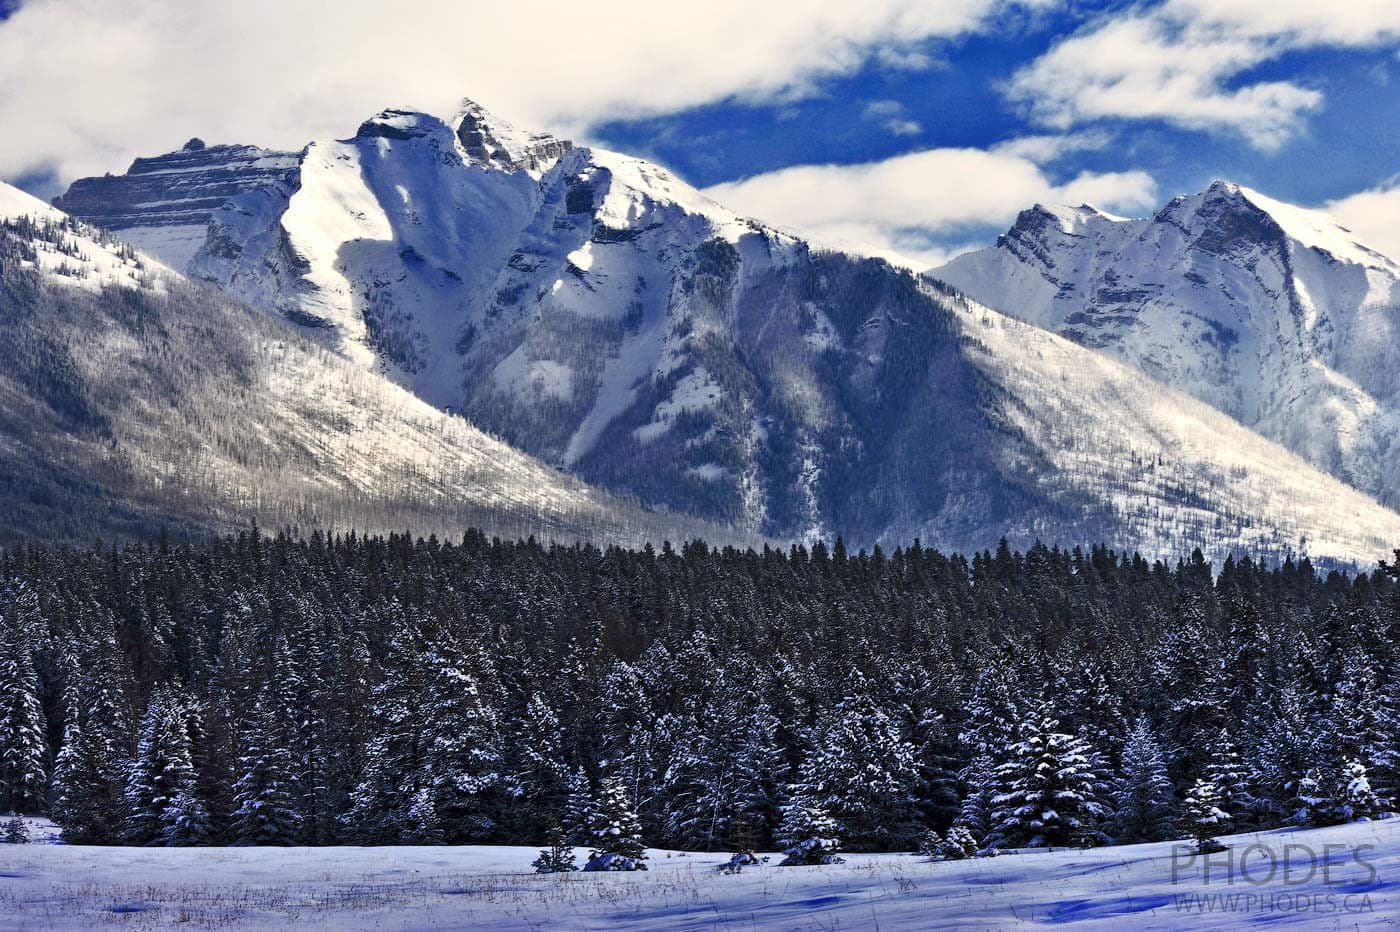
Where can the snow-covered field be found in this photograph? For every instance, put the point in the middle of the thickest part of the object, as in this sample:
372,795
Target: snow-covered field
59,887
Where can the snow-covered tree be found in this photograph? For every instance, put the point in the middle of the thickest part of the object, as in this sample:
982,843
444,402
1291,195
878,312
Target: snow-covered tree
1144,807
186,821
808,834
860,770
161,772
615,833
421,823
23,749
1048,792
1201,815
264,793
558,855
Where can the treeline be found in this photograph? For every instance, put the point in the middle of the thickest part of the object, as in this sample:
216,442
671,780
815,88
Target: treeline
265,690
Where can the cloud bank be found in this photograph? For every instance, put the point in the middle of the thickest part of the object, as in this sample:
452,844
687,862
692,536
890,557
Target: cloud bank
908,207
87,84
1185,62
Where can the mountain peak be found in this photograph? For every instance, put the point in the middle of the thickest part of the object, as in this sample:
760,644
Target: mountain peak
491,142
397,123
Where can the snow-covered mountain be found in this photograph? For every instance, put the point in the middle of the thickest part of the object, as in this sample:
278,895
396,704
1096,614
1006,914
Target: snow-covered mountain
597,312
1271,313
131,398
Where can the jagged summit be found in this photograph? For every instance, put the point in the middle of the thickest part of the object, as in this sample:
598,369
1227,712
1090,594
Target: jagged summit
1270,312
488,140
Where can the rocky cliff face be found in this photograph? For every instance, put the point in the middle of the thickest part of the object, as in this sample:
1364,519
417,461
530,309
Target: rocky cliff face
1273,314
163,204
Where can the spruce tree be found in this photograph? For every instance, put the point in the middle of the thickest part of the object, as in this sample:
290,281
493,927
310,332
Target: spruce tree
161,772
808,834
615,833
23,748
186,821
1201,816
860,770
264,797
1048,793
1144,806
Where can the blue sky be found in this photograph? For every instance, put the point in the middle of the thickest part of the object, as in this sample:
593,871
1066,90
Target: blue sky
905,127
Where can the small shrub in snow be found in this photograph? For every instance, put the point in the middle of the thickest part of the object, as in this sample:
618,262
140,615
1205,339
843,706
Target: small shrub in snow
929,844
608,861
16,831
958,845
812,851
558,858
739,861
809,835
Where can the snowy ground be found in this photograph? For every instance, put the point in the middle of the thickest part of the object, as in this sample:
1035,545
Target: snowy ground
60,887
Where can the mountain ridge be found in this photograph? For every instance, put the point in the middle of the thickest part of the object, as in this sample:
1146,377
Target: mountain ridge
1274,314
597,312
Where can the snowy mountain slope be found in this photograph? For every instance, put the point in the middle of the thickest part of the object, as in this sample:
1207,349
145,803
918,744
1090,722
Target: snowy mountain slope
599,313
130,398
1271,313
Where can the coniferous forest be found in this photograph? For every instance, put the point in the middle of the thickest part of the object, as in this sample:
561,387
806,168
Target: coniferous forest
265,690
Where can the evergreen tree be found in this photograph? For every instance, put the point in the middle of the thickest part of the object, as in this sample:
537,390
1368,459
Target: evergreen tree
1201,816
186,821
422,826
615,833
16,830
161,772
808,834
1353,798
558,857
580,810
860,770
1048,795
1144,807
264,794
23,749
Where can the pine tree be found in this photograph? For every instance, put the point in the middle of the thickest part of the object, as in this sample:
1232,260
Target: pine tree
808,834
860,770
1201,816
422,826
1353,798
462,735
22,745
265,812
580,810
16,830
1144,806
186,821
558,857
1225,771
978,810
1048,795
615,833
161,772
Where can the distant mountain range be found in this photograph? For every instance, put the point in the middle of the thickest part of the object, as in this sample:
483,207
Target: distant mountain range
1273,314
600,315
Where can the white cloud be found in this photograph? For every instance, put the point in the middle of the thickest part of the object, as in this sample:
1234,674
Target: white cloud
906,207
1374,216
891,115
1179,62
87,84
